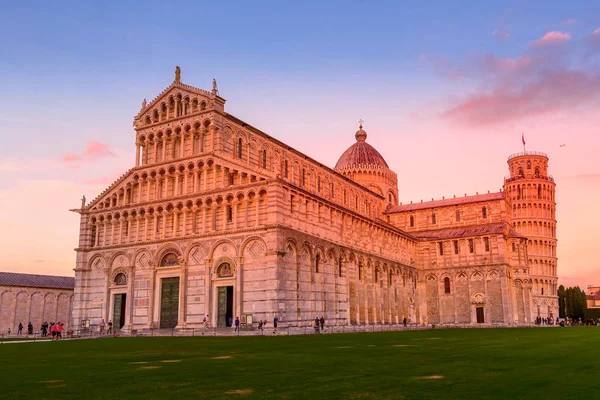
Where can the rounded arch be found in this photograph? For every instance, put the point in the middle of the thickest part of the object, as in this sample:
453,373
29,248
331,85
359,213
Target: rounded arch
220,242
116,261
249,240
98,261
167,248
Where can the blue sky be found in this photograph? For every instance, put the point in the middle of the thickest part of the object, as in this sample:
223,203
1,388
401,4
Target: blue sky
421,74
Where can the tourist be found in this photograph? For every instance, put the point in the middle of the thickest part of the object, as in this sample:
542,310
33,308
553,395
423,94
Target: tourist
404,322
30,328
53,330
206,322
260,325
275,322
264,324
43,329
110,329
317,323
102,324
237,324
20,329
59,329
322,323
8,331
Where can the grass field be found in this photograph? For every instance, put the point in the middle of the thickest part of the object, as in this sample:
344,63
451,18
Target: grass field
440,364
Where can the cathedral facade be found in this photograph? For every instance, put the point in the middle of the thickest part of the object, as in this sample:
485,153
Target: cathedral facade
218,220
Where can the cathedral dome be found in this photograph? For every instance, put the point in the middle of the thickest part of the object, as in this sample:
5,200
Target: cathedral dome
361,154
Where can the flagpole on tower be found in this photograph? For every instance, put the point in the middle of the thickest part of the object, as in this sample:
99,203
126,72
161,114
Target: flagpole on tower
523,140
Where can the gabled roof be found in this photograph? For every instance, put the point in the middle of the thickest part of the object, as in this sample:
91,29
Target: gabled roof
447,202
38,281
469,231
178,85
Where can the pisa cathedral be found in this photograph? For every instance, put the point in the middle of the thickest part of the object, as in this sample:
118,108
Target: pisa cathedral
218,218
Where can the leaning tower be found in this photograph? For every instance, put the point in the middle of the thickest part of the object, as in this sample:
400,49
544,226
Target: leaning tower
532,193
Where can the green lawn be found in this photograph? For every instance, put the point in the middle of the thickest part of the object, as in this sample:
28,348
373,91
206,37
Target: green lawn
437,364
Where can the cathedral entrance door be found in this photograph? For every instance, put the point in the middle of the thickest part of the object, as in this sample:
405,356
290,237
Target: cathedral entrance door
119,310
169,303
480,315
225,306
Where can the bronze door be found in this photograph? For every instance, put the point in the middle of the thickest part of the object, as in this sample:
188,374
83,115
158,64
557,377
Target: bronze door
119,311
480,315
169,303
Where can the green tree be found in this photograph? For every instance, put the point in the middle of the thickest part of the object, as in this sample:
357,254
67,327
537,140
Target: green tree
561,301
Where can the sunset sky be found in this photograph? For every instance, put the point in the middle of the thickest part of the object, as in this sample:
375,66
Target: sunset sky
445,89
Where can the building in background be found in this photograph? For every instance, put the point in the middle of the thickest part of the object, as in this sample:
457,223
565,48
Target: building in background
32,298
217,219
593,296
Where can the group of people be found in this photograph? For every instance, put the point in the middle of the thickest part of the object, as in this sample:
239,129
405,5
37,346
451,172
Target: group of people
55,329
319,324
262,324
103,326
546,321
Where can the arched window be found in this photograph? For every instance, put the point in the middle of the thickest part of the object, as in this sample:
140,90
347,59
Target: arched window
319,184
519,192
332,190
528,164
340,267
441,246
285,169
446,285
376,275
471,246
433,219
484,212
412,221
120,279
457,215
456,248
389,197
520,172
317,259
169,259
539,192
229,213
360,267
537,172
264,158
486,241
303,177
239,148
542,290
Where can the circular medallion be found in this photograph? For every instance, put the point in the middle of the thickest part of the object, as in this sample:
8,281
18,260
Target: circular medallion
225,248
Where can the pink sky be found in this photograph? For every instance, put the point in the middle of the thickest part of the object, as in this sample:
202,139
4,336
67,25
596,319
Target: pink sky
449,134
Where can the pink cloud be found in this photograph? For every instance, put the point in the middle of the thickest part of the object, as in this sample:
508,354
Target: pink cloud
552,38
501,34
569,21
495,64
92,151
550,93
442,66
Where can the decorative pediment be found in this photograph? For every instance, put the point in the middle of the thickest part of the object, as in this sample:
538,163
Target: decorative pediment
177,100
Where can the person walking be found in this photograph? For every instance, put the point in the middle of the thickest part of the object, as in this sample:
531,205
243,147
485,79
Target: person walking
322,323
237,324
317,324
110,329
20,329
59,329
275,322
53,330
30,328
